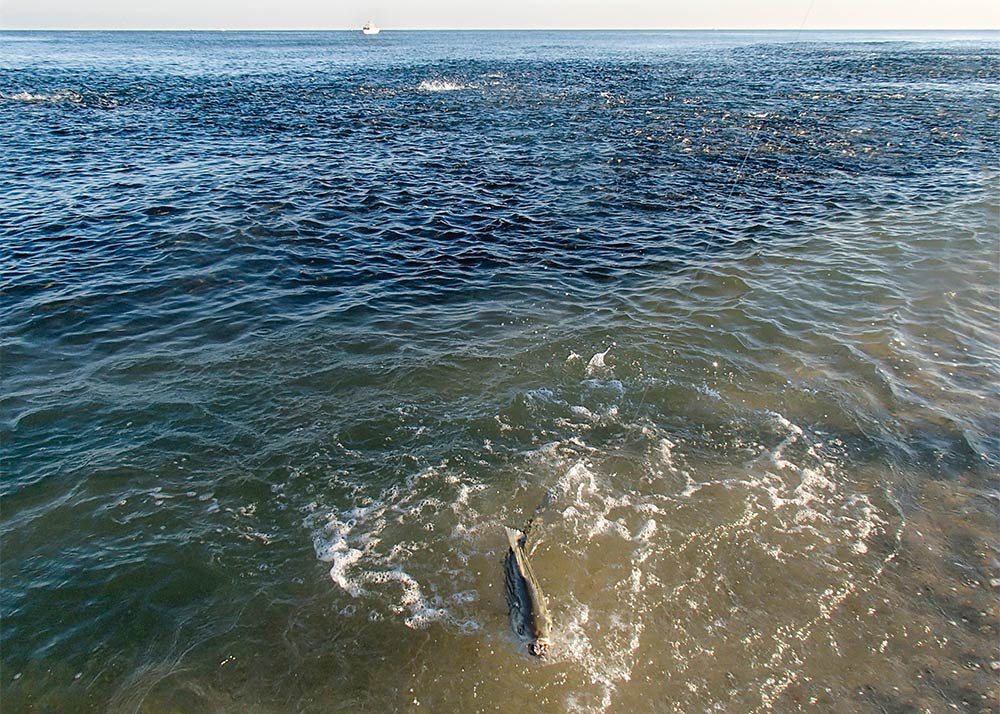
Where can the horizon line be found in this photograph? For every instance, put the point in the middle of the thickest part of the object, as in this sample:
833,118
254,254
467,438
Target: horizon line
501,29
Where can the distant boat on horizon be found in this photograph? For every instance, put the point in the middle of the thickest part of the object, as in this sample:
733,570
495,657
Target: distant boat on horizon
370,28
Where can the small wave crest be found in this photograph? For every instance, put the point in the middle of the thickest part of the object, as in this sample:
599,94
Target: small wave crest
440,85
597,363
66,97
60,96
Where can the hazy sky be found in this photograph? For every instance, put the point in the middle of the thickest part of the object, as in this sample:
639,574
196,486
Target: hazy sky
335,14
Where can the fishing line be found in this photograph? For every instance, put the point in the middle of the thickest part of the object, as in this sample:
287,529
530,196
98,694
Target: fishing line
764,118
746,157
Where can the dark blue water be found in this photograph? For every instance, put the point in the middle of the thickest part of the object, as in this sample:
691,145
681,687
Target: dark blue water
293,322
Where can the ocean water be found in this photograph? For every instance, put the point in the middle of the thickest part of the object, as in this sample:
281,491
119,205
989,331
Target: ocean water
294,323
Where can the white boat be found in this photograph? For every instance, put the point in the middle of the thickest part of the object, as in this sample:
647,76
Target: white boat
370,28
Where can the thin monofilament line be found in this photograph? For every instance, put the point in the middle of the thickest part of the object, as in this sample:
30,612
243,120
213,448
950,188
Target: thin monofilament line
739,171
753,139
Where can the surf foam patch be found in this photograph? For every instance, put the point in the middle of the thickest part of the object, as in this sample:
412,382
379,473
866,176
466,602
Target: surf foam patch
386,549
751,561
440,85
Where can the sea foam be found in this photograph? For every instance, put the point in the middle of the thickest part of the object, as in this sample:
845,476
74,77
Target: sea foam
60,96
439,85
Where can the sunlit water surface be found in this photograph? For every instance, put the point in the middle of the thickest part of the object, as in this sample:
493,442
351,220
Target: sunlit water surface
293,323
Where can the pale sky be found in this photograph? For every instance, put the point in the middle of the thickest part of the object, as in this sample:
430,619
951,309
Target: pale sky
489,14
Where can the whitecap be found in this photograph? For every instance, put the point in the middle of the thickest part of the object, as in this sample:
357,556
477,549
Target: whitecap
596,363
60,96
440,85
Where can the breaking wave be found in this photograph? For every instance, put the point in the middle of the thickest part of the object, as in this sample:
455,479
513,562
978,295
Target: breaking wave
60,96
439,85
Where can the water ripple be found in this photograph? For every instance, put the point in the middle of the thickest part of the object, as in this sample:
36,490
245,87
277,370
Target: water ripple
281,307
